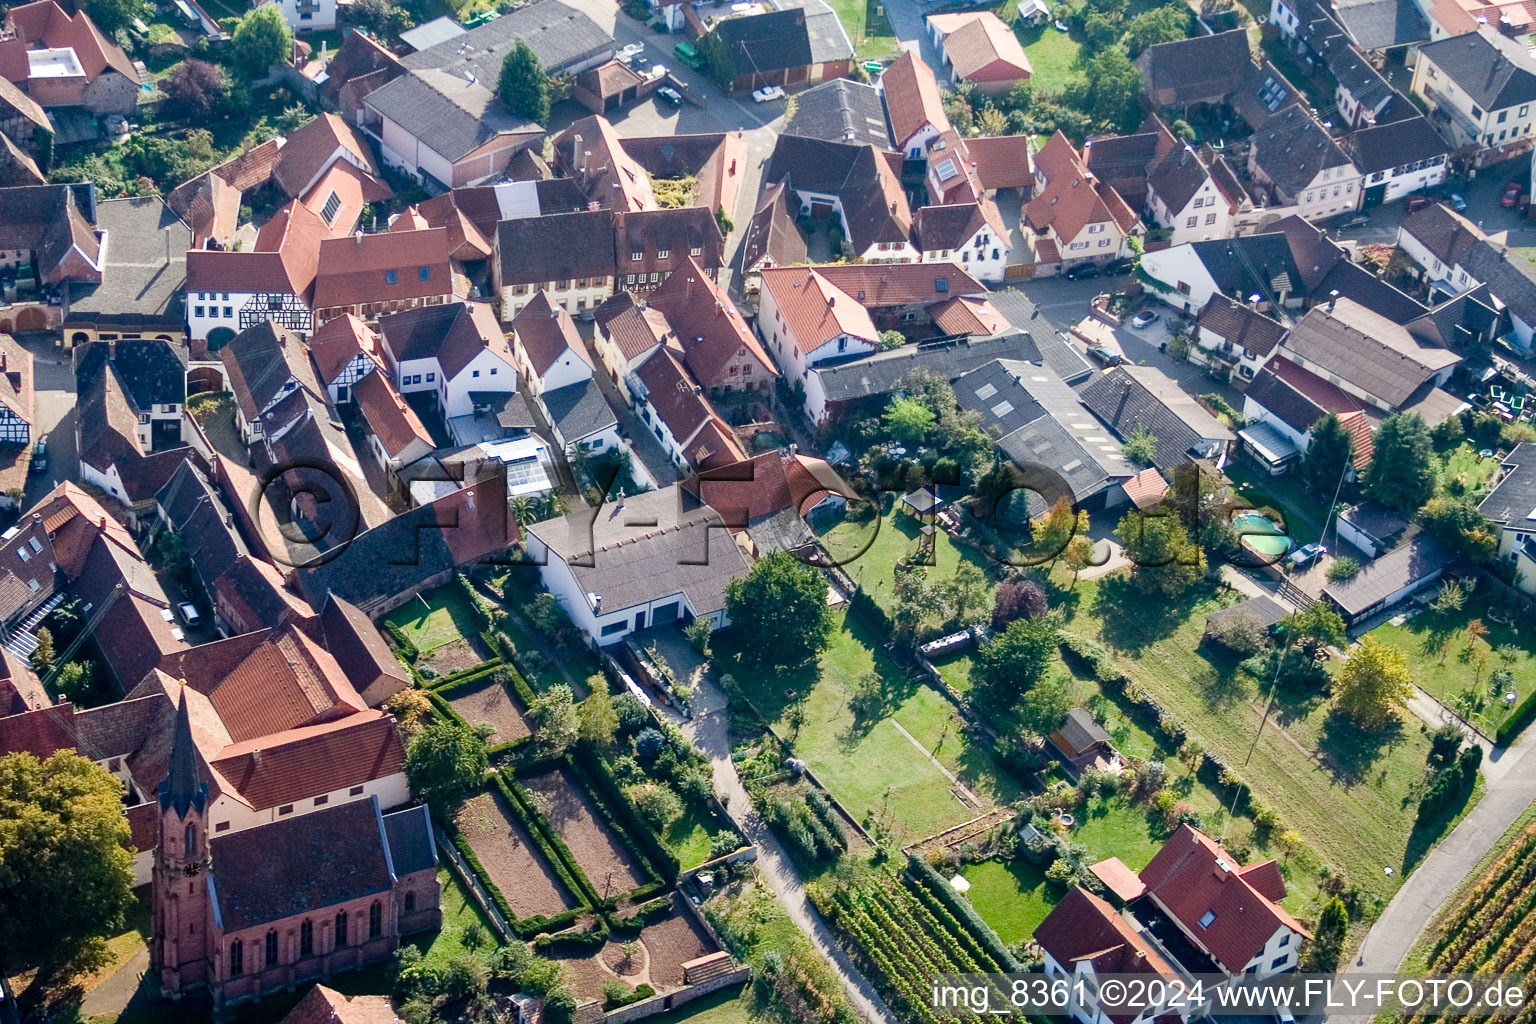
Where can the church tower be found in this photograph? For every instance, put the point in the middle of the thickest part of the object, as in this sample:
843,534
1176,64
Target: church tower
181,946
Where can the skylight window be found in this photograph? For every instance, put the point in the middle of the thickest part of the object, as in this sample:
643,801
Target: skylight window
947,170
1206,918
331,208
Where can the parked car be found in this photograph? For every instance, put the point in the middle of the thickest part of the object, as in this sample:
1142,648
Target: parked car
1417,203
1146,318
767,92
688,55
1082,272
1511,196
189,613
1105,355
631,51
1358,220
671,95
1457,203
1114,268
1305,555
39,458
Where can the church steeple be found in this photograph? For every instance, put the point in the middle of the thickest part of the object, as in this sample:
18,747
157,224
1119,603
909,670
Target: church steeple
183,789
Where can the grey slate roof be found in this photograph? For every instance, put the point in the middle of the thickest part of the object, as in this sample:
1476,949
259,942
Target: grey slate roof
1262,607
1415,559
579,410
1039,420
1495,72
1200,69
1511,280
329,856
766,42
451,115
1379,24
1375,519
560,36
1269,255
879,374
1513,501
411,848
832,110
1444,232
648,548
431,33
829,40
1293,408
146,262
1055,352
1385,146
1362,347
1129,397
1291,147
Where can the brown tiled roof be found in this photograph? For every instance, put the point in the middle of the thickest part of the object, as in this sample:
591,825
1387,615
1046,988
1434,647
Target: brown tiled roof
253,596
674,232
354,271
1071,197
633,326
609,176
678,402
360,650
911,97
284,680
1191,876
1118,878
814,309
1083,927
353,188
17,168
545,332
1366,349
901,284
936,228
326,1006
707,324
210,206
1241,324
466,239
772,237
44,24
981,47
968,316
252,167
22,104
357,56
260,360
1003,161
389,418
1444,232
310,150
337,342
16,381
20,689
748,490
279,768
47,219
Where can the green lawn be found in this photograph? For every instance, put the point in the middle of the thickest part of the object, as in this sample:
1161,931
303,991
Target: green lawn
731,1006
688,838
1303,513
874,766
869,552
1350,795
1054,56
867,27
1436,643
1011,896
432,620
1462,475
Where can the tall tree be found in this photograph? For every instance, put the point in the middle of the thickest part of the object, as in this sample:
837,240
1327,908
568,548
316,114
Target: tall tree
111,15
193,89
779,610
1057,527
1159,25
555,723
1045,704
1157,544
443,763
599,721
65,868
1111,88
523,86
261,40
1332,448
1375,679
1457,524
1013,661
1322,953
909,420
1401,475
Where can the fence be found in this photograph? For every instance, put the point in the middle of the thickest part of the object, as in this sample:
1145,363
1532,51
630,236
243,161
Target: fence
471,883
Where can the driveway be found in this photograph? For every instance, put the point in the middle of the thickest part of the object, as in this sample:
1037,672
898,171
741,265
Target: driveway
710,731
54,409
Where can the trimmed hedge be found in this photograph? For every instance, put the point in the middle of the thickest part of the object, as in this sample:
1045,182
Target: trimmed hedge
509,656
572,942
646,914
921,874
1524,714
441,694
403,644
642,991
864,606
525,927
550,844
624,819
457,680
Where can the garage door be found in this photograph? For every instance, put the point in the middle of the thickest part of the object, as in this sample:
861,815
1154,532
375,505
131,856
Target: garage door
665,613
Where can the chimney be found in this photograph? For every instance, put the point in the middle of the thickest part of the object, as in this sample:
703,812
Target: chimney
256,756
1333,299
358,237
1222,869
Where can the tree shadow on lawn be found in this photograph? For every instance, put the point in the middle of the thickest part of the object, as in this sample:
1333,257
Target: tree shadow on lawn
1219,681
1134,619
1348,752
895,688
1294,704
1426,833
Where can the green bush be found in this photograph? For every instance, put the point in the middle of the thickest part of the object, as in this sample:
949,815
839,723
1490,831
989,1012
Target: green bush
864,606
572,942
402,642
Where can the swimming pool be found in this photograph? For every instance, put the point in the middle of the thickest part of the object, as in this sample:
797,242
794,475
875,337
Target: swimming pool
1261,534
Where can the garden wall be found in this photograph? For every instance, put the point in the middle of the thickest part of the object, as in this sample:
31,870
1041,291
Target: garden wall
682,997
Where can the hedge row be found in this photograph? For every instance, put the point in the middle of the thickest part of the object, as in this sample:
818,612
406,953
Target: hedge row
508,650
1524,714
527,927
403,644
864,606
464,676
921,874
440,696
645,914
626,821
642,991
573,942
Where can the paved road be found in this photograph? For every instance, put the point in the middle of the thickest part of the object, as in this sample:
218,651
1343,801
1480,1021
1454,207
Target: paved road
1511,775
710,731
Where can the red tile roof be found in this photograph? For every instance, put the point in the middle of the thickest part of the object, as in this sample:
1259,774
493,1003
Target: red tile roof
284,258
313,148
1003,161
545,332
352,188
981,48
1196,880
902,284
389,418
765,484
1118,879
1071,197
968,316
325,1006
354,271
1146,488
707,324
912,97
44,24
279,768
1083,927
337,342
634,327
814,310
